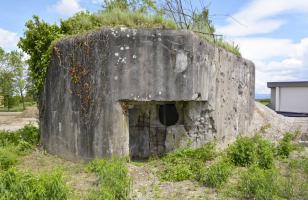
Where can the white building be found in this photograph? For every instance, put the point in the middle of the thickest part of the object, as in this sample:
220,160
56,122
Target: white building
290,97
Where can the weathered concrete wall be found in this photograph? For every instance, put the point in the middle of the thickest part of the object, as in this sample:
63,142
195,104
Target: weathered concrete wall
94,81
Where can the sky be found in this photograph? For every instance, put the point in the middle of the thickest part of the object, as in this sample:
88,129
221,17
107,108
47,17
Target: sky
271,33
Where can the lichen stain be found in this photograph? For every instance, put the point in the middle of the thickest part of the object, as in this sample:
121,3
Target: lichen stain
181,62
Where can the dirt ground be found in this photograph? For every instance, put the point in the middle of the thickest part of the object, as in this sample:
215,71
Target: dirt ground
15,120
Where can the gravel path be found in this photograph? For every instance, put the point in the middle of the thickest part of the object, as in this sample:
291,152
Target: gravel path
13,121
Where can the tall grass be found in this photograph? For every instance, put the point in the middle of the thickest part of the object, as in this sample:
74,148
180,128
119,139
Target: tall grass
116,17
186,164
15,184
114,182
248,151
28,134
16,143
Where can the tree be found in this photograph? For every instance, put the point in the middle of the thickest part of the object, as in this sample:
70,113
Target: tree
6,78
19,73
37,44
13,79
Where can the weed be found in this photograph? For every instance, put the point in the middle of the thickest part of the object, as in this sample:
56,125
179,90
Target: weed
185,164
114,182
247,151
27,134
15,184
216,174
7,158
285,146
259,184
177,172
265,153
243,152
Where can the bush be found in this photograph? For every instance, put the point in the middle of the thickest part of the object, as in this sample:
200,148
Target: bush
258,184
29,134
185,164
216,174
243,152
265,153
247,151
7,158
15,184
113,179
285,146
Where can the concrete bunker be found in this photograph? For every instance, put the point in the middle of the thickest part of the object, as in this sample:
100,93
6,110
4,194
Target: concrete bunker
142,92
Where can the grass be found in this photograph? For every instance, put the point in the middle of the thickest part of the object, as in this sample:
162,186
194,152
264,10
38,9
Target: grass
114,182
248,151
258,184
17,108
18,184
84,21
264,101
15,184
185,164
26,173
216,174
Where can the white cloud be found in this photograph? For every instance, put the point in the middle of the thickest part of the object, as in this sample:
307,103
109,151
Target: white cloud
67,8
259,17
8,40
98,1
276,59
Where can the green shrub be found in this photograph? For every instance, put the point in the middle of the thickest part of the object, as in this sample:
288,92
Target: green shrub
16,184
204,153
243,152
7,158
285,145
178,172
185,164
216,174
29,134
114,181
247,151
258,184
265,153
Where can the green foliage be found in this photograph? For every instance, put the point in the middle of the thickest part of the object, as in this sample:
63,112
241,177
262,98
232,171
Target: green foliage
243,152
178,172
285,146
114,182
216,174
15,143
185,164
247,151
16,184
86,21
259,184
8,158
265,153
36,43
28,134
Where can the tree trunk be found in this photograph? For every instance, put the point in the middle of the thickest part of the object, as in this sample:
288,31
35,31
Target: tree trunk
23,100
8,102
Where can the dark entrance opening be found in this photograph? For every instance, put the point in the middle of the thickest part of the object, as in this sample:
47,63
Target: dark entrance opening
168,115
148,123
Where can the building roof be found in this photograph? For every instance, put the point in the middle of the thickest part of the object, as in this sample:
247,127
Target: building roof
288,84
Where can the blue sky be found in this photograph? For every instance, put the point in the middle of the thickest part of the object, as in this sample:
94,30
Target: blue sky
271,33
